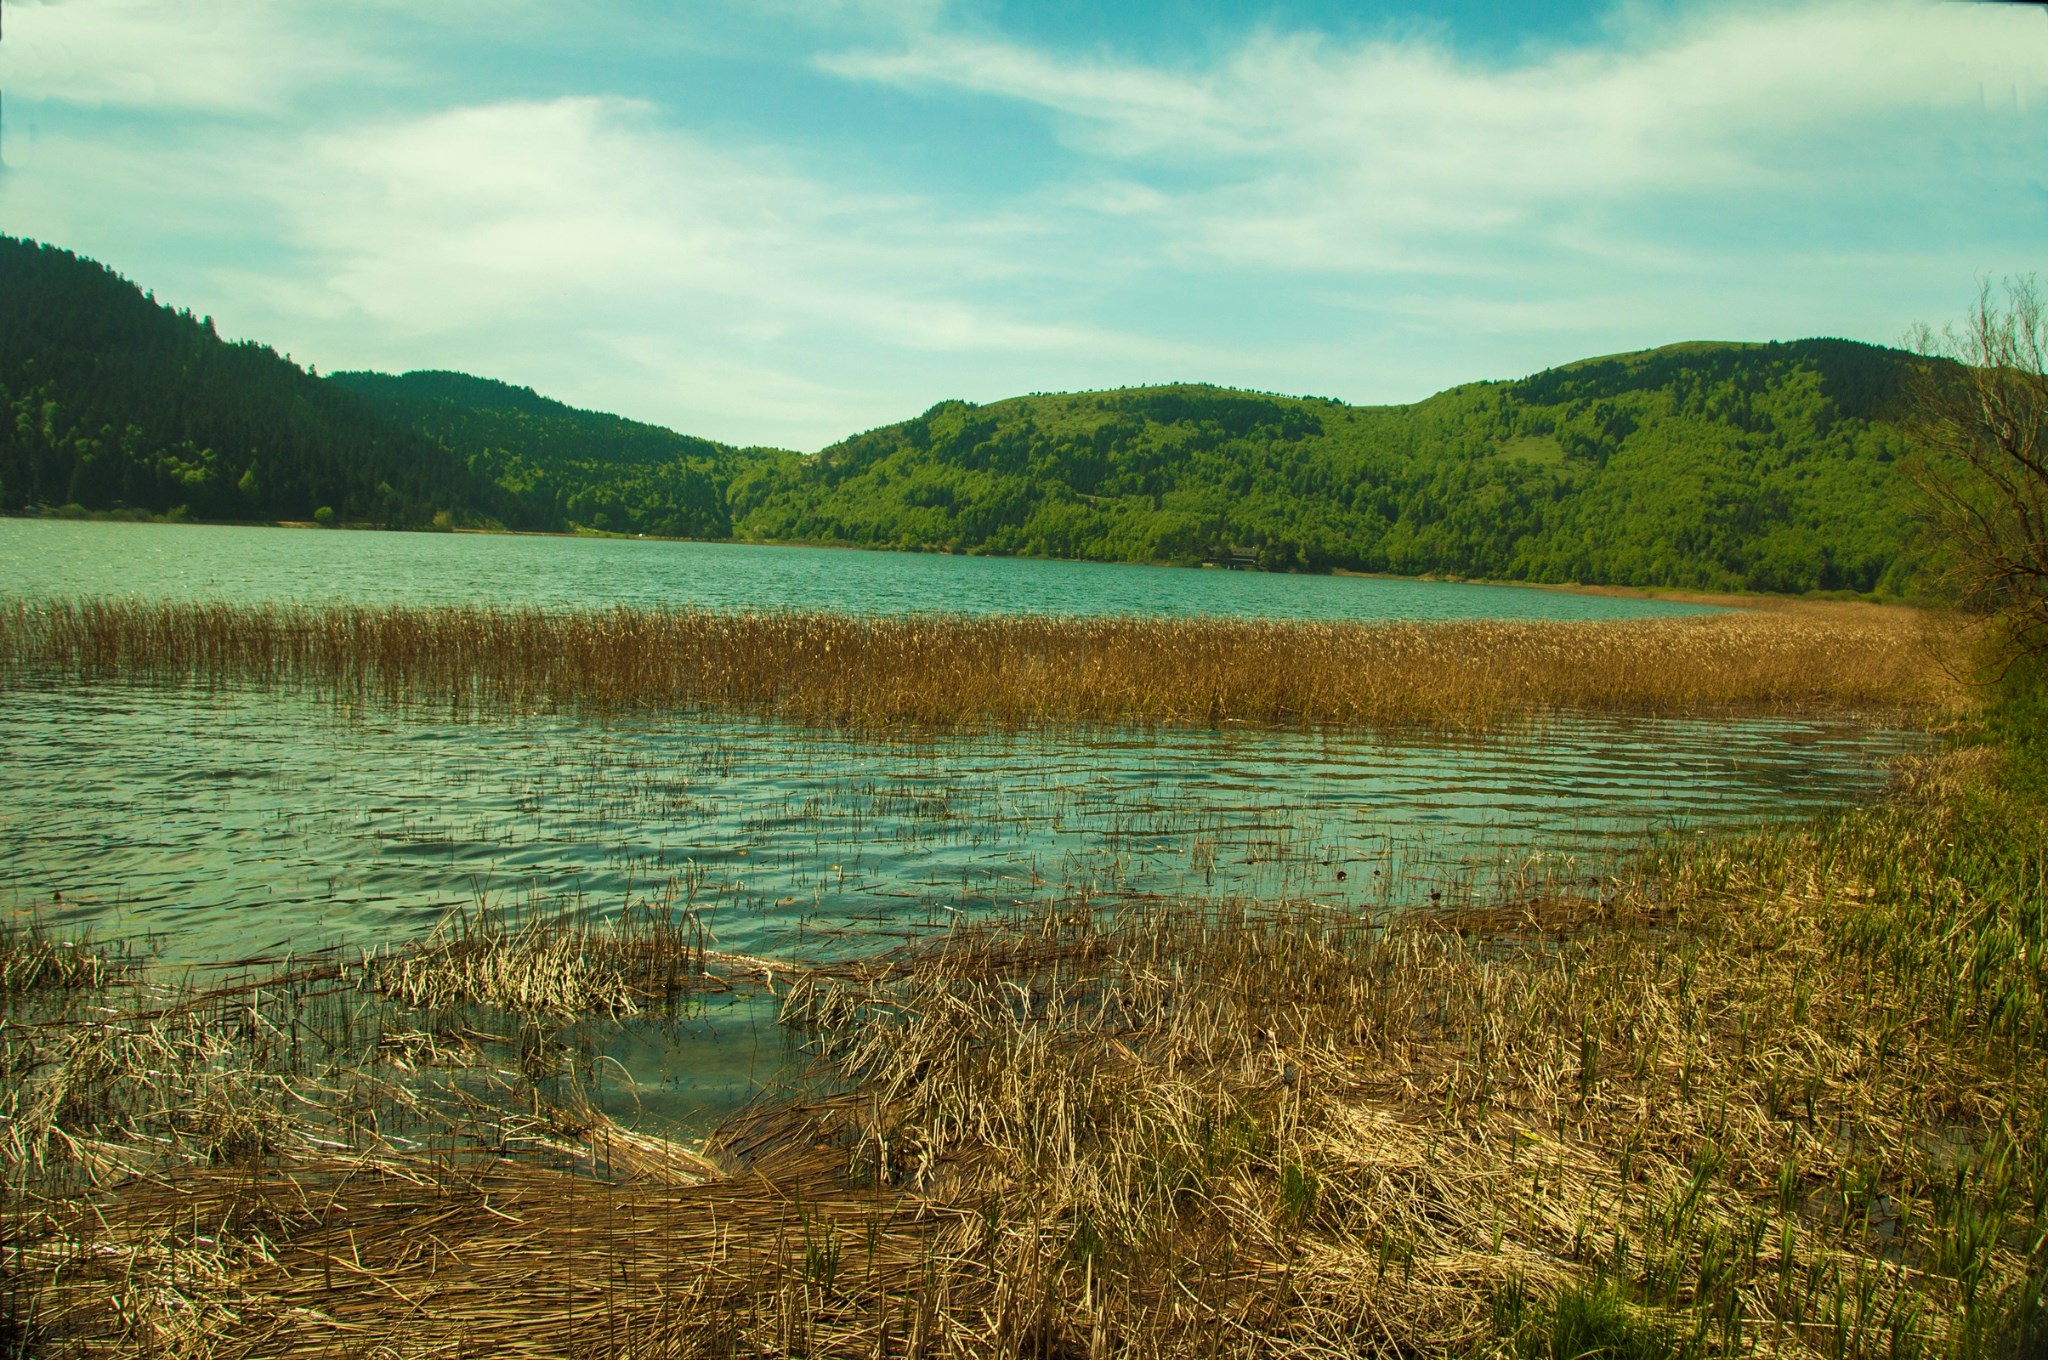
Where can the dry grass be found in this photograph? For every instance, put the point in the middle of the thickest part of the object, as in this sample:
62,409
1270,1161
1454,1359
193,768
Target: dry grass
551,964
33,961
1778,1097
1785,1096
881,671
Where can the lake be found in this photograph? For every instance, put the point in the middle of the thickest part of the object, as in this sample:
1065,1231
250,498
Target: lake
222,822
219,824
227,822
45,558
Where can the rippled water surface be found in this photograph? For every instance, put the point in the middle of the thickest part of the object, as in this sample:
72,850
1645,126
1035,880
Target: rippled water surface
236,822
226,823
45,557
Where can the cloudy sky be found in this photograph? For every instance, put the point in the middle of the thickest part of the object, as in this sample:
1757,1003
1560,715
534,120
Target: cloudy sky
784,221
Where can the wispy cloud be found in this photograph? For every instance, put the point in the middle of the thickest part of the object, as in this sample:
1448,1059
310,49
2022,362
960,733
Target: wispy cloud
1373,219
235,56
586,221
1310,154
519,207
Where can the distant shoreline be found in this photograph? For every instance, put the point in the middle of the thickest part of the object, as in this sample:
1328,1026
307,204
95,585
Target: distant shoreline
1669,594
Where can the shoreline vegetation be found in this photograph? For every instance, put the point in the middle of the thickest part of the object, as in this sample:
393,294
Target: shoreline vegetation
941,670
1777,1095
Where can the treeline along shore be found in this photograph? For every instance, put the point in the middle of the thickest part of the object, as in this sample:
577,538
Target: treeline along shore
881,671
1711,466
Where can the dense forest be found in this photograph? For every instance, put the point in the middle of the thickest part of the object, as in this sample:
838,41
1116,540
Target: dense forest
1767,467
110,401
559,468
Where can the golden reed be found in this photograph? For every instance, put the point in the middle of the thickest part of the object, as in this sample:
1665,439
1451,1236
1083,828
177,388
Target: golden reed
1007,670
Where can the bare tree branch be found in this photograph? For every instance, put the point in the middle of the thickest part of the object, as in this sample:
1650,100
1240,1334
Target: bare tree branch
1979,415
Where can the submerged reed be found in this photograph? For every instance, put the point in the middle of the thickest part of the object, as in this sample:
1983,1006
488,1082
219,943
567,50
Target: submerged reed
33,961
1010,670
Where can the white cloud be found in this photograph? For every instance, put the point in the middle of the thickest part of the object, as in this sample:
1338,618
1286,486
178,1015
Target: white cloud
587,226
1398,155
218,55
448,219
1369,219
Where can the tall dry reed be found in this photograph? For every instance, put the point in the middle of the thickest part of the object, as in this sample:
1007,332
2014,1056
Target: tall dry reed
882,671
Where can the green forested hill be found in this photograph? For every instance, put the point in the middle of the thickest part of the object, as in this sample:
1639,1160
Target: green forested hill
558,467
1768,467
109,400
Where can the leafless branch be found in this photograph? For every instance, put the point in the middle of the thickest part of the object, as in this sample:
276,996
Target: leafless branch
1980,413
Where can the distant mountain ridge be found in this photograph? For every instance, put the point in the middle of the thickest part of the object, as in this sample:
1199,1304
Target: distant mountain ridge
1703,465
1710,466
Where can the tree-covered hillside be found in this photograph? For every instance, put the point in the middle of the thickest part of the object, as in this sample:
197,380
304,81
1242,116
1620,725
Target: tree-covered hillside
108,400
559,467
1768,467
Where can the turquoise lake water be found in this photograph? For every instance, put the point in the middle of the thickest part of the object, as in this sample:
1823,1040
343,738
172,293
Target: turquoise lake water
47,558
219,823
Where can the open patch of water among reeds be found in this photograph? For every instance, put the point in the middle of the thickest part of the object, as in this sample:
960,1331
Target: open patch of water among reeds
251,822
232,822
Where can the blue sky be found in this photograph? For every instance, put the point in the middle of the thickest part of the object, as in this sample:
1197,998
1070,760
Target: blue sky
783,222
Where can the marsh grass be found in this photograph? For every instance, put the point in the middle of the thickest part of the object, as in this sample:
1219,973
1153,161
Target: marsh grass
1013,670
558,962
161,1138
1780,1095
33,961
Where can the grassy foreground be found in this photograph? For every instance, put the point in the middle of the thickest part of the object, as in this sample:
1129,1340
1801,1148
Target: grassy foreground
1784,1095
882,671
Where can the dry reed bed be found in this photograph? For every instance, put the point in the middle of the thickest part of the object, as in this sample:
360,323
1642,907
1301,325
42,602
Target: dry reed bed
398,1153
1786,1100
1786,1096
881,671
